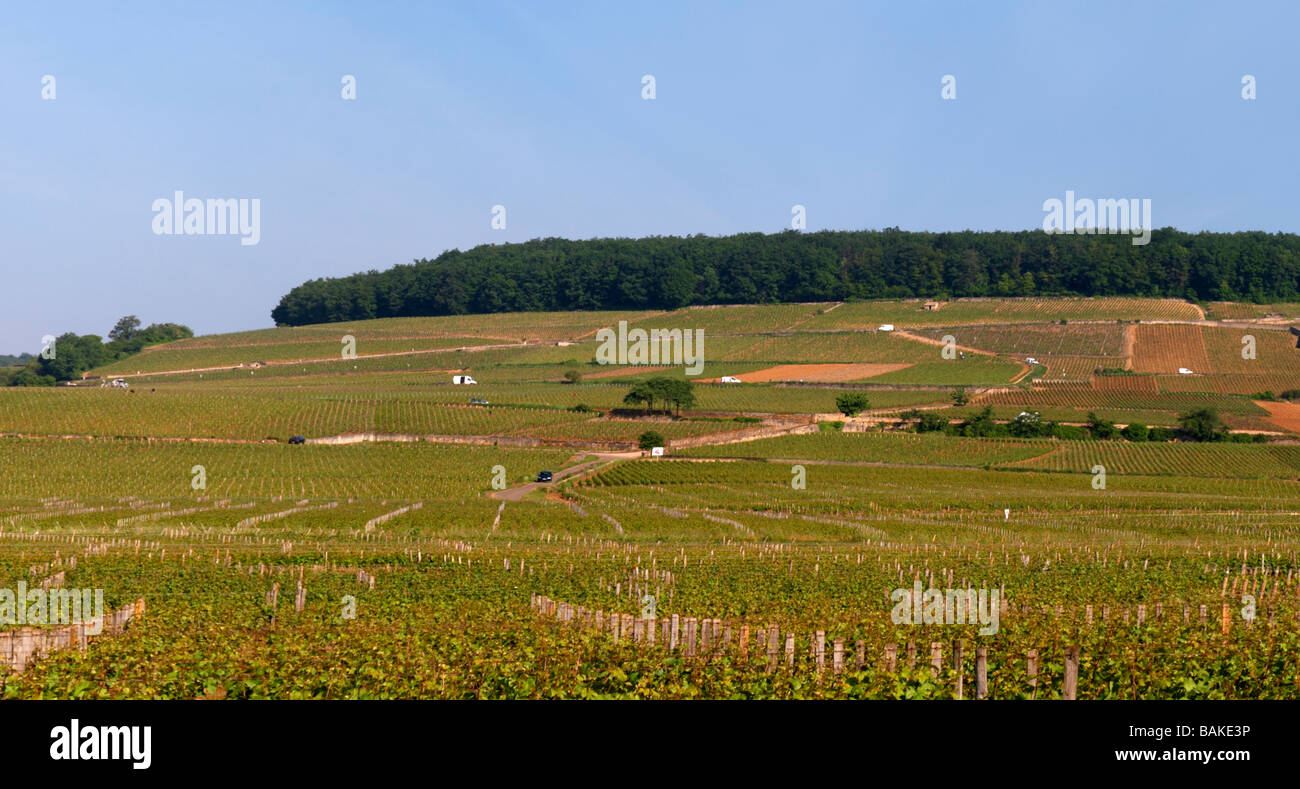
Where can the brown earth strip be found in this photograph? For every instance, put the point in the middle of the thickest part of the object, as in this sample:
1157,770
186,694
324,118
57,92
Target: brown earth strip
1130,338
1284,415
817,373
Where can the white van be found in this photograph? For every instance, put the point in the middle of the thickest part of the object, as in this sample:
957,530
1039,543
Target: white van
1184,371
886,327
462,379
729,379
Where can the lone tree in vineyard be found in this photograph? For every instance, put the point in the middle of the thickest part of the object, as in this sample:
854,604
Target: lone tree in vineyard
852,403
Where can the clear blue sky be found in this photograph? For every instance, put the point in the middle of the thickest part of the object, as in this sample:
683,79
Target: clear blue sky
537,106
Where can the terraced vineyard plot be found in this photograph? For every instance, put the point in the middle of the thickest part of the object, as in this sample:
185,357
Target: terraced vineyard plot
178,413
537,398
108,470
1166,348
1231,310
1079,416
716,350
512,327
543,325
184,358
436,363
912,501
848,347
1275,352
1084,396
971,371
907,314
1228,384
1147,384
602,429
746,319
1120,416
897,448
1079,368
777,399
1039,341
1205,460
424,417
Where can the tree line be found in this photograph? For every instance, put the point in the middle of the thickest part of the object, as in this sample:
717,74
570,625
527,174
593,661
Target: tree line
71,354
666,272
1197,424
8,360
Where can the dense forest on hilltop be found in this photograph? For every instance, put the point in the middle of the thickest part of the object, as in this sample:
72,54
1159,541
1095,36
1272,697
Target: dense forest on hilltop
669,272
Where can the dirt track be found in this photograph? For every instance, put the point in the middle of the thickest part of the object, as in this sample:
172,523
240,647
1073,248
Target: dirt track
516,494
940,343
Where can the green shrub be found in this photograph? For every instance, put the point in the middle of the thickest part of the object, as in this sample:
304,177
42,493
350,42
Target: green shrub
1136,432
852,403
650,439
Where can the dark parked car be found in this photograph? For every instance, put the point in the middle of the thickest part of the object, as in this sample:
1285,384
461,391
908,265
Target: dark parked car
477,401
297,440
543,476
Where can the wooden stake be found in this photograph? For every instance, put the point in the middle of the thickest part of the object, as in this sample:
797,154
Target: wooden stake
1071,673
1033,672
957,666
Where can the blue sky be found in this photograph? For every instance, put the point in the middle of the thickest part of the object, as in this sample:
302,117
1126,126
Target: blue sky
537,107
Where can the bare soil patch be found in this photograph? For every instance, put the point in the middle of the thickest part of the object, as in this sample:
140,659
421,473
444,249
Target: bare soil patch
815,373
1284,415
